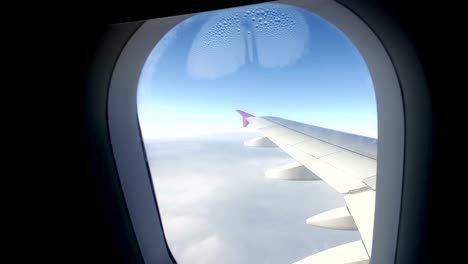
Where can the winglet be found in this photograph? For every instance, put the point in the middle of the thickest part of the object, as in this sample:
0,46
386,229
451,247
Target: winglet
244,115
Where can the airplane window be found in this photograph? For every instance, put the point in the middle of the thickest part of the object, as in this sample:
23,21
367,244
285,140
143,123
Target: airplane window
222,201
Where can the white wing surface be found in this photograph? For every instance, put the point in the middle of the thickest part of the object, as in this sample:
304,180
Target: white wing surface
345,161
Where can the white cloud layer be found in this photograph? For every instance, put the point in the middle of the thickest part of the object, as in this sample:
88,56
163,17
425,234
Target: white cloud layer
217,206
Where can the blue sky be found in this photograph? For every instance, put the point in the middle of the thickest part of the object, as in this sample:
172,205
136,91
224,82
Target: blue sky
266,59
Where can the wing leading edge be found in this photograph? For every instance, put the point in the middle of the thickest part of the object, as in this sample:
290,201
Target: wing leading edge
345,161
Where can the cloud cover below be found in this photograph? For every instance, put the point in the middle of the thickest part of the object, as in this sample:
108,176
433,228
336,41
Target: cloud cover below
217,206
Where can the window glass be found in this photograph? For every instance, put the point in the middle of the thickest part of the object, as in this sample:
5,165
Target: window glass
277,60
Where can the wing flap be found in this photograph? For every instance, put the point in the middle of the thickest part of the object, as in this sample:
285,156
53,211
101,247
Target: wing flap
357,165
336,178
361,205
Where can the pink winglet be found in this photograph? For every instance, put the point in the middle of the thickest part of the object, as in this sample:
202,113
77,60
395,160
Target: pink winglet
244,116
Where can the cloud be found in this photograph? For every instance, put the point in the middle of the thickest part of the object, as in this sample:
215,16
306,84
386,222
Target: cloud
219,252
152,130
217,206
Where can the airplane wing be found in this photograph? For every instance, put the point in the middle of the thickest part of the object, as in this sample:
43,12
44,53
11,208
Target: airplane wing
345,161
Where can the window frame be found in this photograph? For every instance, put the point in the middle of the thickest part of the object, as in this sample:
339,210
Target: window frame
403,110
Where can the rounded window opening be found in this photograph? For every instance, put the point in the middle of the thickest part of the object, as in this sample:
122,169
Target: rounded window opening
308,113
